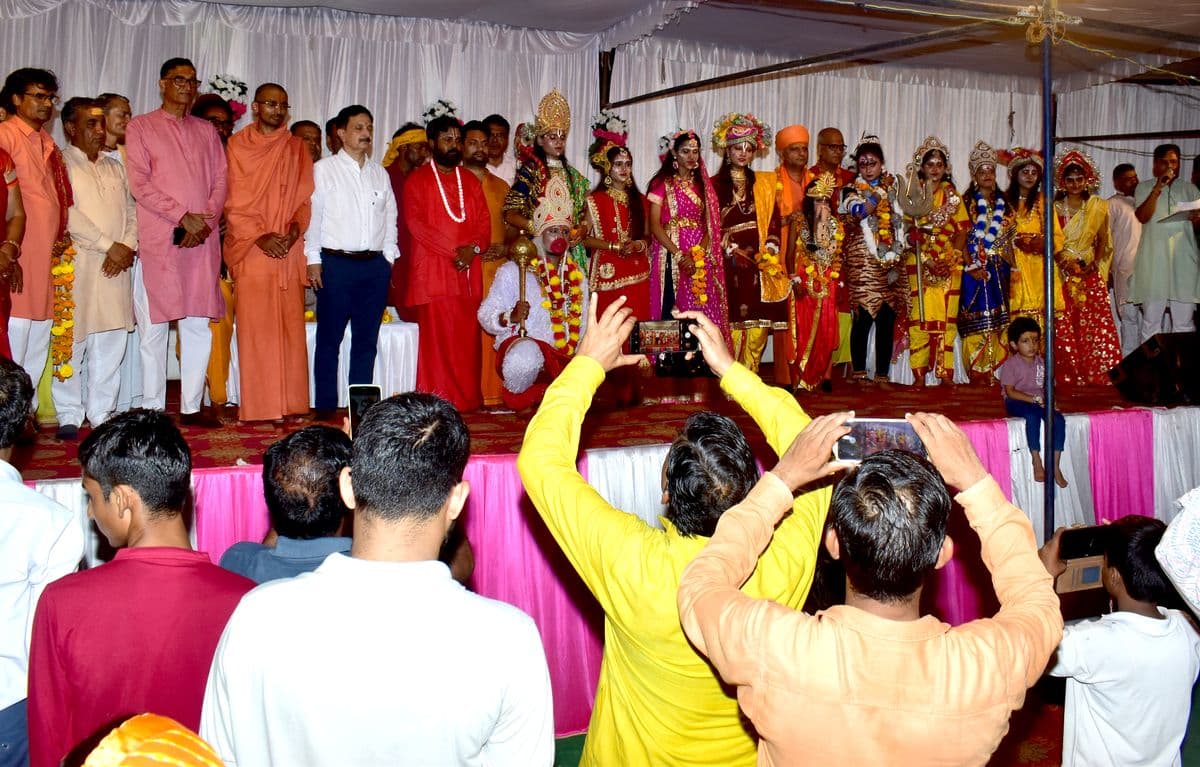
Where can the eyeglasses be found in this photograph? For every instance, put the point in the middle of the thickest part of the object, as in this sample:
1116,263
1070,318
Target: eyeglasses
835,147
275,105
180,81
45,98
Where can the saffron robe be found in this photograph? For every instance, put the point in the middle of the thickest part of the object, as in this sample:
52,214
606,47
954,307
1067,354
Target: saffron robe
494,191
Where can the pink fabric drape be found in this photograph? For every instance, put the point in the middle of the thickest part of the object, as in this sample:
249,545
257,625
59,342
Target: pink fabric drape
229,508
962,590
1121,463
518,562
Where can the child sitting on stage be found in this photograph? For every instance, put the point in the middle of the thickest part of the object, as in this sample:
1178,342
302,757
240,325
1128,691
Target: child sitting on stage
1021,379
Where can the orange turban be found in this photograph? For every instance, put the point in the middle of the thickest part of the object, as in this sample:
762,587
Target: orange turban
150,739
793,134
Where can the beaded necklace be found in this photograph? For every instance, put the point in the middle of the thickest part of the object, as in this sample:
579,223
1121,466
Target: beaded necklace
984,234
462,205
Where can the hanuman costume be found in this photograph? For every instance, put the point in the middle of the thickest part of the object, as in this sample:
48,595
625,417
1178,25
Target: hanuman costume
933,299
818,258
535,172
531,353
756,280
983,312
1084,262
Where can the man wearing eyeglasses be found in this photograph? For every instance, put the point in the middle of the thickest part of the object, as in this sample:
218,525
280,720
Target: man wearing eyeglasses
831,150
177,173
266,214
30,96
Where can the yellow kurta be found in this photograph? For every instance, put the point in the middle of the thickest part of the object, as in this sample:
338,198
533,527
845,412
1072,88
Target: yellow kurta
658,701
1026,292
931,340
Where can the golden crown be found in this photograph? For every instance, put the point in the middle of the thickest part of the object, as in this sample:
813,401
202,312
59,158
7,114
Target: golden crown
553,113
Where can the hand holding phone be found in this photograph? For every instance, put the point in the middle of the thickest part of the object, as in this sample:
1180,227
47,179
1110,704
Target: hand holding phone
868,436
362,397
657,336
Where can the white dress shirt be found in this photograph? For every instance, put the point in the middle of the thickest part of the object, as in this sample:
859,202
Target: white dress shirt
353,208
40,541
506,171
1126,231
364,663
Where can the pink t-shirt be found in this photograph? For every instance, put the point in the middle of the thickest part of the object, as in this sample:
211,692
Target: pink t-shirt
1026,376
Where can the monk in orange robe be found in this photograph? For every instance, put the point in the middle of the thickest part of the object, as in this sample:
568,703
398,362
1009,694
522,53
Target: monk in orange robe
266,214
449,227
791,180
475,158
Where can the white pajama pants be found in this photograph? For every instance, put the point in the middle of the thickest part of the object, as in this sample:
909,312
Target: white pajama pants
1152,318
30,344
1129,324
96,360
195,346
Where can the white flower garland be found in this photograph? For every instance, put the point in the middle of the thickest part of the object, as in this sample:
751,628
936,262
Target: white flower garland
228,87
440,108
984,234
610,121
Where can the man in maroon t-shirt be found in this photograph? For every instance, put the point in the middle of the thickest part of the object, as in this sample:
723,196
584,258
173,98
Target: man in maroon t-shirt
136,634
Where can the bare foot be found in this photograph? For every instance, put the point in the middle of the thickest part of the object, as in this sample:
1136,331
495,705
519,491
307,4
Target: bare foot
1059,479
1039,471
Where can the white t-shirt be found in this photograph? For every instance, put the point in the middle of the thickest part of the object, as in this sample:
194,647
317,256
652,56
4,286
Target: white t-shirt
363,663
1129,688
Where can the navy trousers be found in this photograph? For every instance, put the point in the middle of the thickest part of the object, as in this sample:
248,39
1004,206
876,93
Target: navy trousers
354,292
1034,415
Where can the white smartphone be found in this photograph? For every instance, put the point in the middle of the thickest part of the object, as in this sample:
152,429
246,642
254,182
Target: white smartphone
872,435
362,397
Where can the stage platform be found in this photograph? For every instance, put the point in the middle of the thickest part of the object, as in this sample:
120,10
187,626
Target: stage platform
1119,460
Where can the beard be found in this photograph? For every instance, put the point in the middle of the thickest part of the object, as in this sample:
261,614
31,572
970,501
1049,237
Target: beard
447,159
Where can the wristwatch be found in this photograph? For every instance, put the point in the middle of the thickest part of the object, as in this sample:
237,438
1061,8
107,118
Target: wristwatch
477,249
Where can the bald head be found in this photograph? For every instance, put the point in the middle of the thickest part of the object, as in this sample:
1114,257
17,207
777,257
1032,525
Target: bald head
831,149
270,107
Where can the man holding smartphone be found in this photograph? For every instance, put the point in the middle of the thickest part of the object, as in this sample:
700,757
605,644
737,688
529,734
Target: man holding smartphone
1166,273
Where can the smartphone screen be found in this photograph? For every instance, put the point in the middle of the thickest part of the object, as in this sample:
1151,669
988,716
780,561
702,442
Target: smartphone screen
362,397
1081,542
872,435
658,336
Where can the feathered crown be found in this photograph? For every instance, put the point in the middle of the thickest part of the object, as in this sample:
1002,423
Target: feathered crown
555,208
1091,176
982,154
822,188
928,145
609,130
735,128
553,114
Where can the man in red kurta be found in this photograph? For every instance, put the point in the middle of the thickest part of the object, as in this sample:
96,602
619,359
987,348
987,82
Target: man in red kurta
449,226
136,634
266,214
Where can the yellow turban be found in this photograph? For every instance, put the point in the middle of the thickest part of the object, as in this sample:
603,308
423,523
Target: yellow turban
410,136
793,134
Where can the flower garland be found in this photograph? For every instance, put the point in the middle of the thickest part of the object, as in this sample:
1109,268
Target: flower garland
699,275
232,90
62,333
820,269
566,310
768,263
440,108
981,236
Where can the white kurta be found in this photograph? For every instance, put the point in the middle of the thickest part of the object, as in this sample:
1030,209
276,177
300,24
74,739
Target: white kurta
1126,232
103,213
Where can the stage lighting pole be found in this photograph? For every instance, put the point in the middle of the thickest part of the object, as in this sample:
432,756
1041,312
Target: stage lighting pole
1049,11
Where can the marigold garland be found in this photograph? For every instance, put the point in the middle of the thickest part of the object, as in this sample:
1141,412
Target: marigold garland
768,263
62,333
566,310
818,271
699,275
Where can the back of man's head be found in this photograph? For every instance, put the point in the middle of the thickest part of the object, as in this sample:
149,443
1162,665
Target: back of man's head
144,450
410,451
300,482
16,397
709,468
1129,544
889,513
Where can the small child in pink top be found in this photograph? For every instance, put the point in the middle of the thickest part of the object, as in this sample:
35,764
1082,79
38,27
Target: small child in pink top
1022,377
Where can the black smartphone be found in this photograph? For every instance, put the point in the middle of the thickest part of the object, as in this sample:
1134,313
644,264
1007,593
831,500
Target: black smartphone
1081,542
872,435
658,336
177,236
362,397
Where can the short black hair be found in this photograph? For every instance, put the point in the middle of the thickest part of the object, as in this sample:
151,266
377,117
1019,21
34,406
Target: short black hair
16,398
172,63
206,101
20,79
476,125
710,467
142,449
1162,150
1129,544
439,125
1121,170
303,124
410,450
300,482
497,120
74,104
869,147
344,115
890,515
331,125
1022,325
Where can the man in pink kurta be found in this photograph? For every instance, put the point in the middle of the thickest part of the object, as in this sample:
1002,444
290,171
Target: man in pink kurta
270,193
177,174
29,96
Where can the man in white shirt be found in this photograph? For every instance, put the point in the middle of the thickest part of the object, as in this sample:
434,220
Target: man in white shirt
1130,673
103,226
350,246
1126,232
501,162
432,674
40,541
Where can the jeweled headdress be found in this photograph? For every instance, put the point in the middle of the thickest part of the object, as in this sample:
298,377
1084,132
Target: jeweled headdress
1020,156
823,187
928,145
982,154
555,208
609,130
1091,176
665,143
553,114
735,128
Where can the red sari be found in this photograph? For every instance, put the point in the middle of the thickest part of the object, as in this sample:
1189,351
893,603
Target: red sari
612,273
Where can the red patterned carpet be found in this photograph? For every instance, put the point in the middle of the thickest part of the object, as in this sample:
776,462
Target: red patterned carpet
606,426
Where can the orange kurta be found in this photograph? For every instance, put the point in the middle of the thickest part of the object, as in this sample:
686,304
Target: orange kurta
494,191
31,151
270,188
